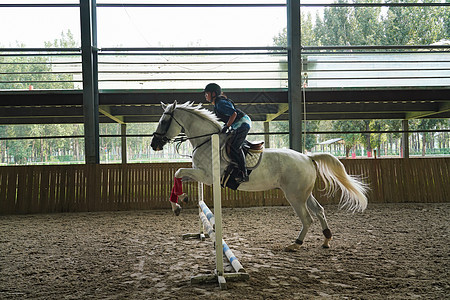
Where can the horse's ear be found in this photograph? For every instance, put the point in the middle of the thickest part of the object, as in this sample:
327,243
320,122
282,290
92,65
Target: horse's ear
163,105
174,104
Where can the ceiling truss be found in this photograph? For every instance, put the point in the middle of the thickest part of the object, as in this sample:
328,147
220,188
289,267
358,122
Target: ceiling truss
54,107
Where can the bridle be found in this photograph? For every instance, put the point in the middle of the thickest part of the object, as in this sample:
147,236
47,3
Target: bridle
181,139
163,136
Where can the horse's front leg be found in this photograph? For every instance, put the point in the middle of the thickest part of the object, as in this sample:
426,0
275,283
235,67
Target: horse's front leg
189,174
177,194
183,174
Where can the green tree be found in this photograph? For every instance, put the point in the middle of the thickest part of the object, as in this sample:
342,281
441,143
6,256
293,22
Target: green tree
393,138
21,71
66,40
415,25
350,139
307,31
426,124
446,20
311,139
336,27
366,25
18,150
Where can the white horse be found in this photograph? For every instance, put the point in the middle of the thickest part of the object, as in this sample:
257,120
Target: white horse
288,170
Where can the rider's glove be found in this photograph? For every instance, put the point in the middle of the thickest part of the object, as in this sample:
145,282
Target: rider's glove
224,129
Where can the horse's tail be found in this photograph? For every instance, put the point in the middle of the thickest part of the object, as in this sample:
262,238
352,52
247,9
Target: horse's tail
333,173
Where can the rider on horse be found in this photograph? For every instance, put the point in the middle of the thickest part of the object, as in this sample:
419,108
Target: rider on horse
234,118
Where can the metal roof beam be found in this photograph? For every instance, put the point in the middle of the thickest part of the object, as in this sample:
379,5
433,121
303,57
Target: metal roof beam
443,107
105,110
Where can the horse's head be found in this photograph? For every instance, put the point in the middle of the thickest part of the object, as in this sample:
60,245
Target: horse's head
166,129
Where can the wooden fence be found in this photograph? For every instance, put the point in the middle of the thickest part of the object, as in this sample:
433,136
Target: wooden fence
76,188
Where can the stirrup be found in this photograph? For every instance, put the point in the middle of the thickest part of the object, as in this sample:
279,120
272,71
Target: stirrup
242,178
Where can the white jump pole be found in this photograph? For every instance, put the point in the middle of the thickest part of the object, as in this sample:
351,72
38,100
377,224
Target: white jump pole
211,225
217,205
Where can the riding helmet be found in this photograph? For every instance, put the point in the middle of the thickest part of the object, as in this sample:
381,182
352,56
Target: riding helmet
213,87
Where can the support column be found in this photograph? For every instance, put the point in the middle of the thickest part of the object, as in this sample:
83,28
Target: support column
266,136
123,133
405,139
294,74
95,68
90,86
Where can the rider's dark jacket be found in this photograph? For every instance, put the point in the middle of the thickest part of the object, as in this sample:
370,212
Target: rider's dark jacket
224,108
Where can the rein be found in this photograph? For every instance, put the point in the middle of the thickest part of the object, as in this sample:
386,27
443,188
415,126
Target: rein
183,139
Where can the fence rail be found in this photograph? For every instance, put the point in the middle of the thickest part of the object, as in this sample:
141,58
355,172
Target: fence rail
77,188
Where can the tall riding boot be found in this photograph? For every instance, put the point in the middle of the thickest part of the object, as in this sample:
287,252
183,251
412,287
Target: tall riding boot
237,153
240,159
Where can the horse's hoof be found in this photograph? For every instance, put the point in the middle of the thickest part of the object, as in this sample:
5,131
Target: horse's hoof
326,243
292,248
184,199
177,210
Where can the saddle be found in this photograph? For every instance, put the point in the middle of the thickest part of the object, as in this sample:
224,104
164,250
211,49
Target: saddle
255,147
253,153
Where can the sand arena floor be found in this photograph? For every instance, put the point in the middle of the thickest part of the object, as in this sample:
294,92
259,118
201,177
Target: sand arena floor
391,251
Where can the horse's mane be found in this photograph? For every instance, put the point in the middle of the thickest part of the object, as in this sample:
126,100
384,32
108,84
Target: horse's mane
198,110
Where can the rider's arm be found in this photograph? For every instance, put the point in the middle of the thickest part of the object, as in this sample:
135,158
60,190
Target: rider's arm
231,119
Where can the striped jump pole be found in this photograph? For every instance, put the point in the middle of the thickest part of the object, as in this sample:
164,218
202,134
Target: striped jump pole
207,213
232,259
207,227
239,274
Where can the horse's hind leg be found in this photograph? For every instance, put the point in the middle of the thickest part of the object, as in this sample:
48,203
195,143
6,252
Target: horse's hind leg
302,212
317,210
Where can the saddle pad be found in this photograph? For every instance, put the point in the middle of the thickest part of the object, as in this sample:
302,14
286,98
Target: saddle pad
252,159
